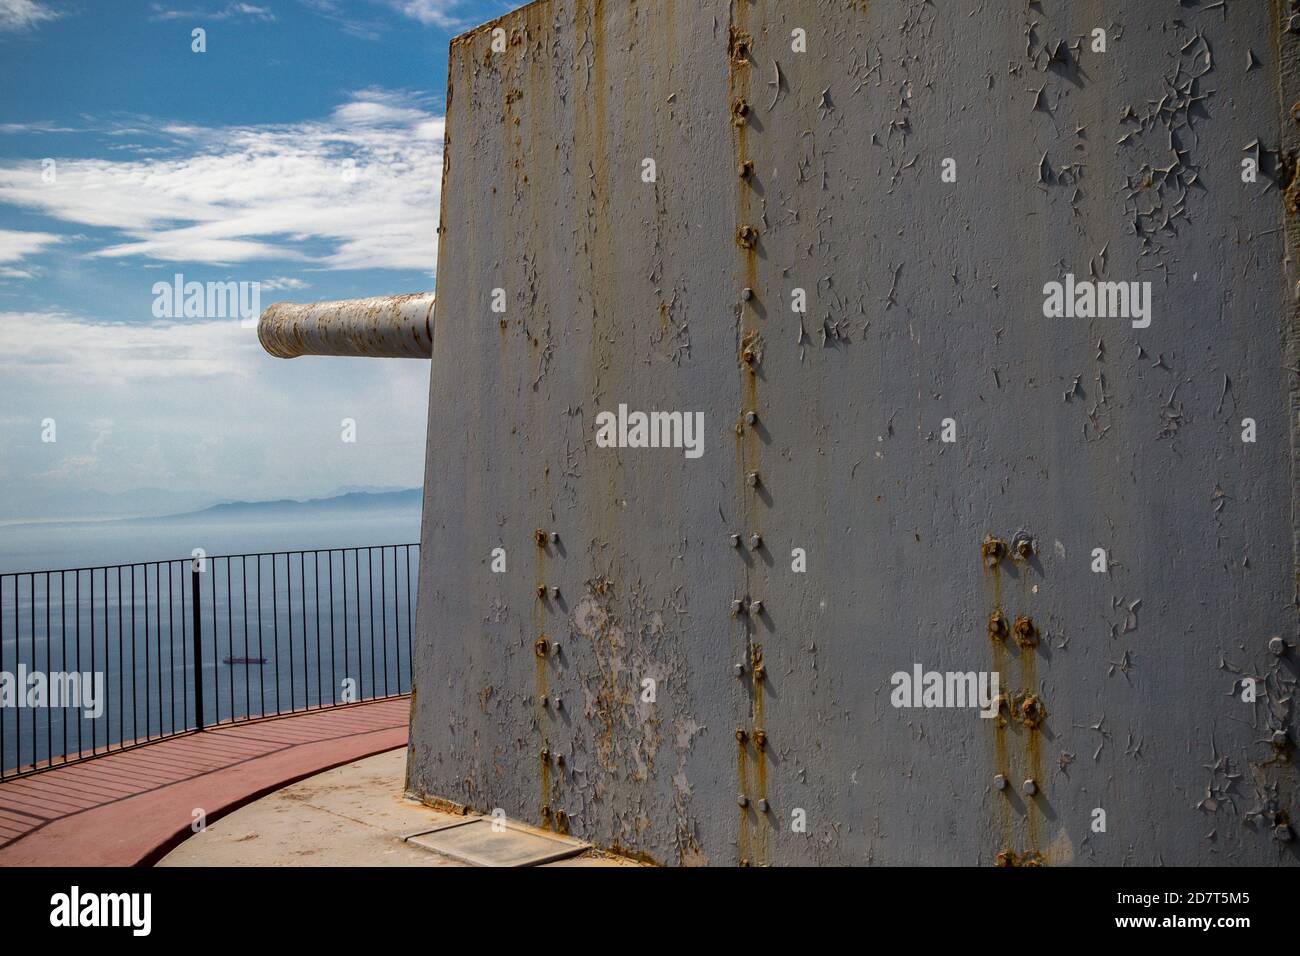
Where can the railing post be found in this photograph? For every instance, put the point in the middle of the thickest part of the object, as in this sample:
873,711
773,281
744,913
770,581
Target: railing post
198,642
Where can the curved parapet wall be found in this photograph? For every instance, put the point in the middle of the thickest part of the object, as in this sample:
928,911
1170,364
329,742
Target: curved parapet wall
850,355
398,326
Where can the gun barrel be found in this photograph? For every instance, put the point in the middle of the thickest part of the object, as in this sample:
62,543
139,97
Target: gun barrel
391,326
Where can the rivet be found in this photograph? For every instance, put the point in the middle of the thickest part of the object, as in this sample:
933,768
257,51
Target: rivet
545,755
751,417
999,782
555,592
1293,24
745,169
747,236
559,703
559,760
1277,646
540,536
760,672
762,805
756,608
741,735
755,541
1026,632
540,646
742,800
1283,833
555,537
1280,739
752,479
993,550
735,541
737,607
1023,546
546,809
546,703
1295,112
1031,786
760,738
740,670
541,591
747,294
999,630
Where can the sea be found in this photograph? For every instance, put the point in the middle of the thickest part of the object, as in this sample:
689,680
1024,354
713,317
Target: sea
302,605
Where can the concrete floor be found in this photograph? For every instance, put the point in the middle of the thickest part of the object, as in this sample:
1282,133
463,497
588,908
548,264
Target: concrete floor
354,815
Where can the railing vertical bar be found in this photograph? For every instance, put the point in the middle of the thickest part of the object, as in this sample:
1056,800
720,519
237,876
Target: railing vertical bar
171,638
302,593
315,563
261,675
275,628
157,633
383,614
94,738
121,668
243,576
49,667
329,556
197,611
356,577
230,636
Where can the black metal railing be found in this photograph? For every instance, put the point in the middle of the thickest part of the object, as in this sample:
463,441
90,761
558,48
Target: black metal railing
94,660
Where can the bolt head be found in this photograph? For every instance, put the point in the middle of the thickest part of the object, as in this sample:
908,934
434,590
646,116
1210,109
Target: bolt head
752,479
559,703
1283,833
1293,24
999,782
740,670
737,606
1279,738
546,703
735,541
559,760
762,805
747,293
1031,787
755,542
741,735
555,537
756,608
751,417
742,800
555,592
1277,646
555,648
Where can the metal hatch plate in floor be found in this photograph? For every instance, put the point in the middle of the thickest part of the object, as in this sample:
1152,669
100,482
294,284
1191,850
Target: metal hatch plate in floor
476,842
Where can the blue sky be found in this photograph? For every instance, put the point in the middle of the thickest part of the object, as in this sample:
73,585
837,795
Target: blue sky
301,150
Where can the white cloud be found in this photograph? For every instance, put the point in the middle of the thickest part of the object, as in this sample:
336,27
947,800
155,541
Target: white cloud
231,11
18,15
358,190
197,405
16,245
437,13
277,283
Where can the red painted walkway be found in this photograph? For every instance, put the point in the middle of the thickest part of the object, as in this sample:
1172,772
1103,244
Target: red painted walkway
131,807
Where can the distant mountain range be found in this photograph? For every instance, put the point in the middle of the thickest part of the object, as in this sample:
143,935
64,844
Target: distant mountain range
355,499
352,501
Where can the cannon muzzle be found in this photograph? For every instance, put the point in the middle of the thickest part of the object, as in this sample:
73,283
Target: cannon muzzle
393,326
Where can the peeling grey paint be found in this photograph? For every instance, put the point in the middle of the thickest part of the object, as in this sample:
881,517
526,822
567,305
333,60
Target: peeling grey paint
924,303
